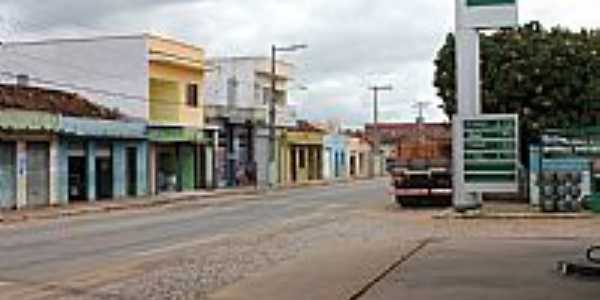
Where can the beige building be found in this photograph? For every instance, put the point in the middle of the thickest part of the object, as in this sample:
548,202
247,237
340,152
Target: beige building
359,156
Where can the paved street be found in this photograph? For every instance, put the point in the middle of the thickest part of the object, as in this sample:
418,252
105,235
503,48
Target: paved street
330,242
64,254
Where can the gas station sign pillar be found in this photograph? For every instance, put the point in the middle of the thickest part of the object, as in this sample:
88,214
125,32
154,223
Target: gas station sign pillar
471,17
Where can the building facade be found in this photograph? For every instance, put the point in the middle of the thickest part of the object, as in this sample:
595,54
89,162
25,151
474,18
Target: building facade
335,157
57,148
301,155
359,157
238,92
146,78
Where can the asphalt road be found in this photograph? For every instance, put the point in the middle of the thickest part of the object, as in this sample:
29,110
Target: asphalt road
59,250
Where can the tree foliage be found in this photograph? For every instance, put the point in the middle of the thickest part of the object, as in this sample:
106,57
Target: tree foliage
551,78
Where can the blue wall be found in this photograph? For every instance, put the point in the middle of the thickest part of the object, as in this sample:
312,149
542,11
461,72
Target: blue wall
119,169
566,164
338,145
119,159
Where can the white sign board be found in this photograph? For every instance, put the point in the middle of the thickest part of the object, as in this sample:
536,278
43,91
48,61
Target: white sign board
484,14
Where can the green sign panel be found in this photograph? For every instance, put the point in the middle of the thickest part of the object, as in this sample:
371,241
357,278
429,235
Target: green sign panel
490,2
490,150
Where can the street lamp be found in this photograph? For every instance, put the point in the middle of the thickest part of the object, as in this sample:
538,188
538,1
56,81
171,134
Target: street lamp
272,169
376,138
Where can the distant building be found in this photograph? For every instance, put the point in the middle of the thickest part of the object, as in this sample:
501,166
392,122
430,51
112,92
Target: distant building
301,154
336,157
237,93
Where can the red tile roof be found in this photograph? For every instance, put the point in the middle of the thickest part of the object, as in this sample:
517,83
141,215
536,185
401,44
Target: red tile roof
51,101
306,127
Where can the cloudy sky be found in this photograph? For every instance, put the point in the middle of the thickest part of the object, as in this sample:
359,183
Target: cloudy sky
353,43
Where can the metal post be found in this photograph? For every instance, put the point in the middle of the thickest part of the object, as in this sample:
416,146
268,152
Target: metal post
272,119
272,169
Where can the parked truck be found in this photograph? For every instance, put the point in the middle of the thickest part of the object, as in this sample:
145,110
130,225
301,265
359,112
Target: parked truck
421,171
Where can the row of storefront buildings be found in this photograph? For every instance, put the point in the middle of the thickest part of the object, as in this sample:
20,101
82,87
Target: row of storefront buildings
130,116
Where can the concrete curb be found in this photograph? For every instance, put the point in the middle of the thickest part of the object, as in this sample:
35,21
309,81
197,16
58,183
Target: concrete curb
479,215
115,205
147,202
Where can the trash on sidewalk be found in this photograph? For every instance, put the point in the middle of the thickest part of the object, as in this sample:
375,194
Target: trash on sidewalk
587,268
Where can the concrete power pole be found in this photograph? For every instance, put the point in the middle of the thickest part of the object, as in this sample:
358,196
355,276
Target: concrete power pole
421,106
272,173
376,159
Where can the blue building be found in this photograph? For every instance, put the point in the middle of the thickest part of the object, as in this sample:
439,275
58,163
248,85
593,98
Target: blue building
56,148
335,157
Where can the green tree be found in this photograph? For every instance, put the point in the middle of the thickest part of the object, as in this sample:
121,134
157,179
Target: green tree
551,78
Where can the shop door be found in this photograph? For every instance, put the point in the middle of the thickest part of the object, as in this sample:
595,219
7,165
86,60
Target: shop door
77,172
38,163
8,176
294,164
104,172
131,169
353,170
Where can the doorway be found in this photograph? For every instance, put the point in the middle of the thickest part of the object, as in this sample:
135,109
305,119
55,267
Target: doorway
38,173
77,179
131,168
8,176
104,172
294,164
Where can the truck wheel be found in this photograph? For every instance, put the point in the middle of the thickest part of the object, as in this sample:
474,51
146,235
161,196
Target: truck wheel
399,201
405,201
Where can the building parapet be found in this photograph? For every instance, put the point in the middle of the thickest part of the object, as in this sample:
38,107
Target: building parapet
102,128
177,135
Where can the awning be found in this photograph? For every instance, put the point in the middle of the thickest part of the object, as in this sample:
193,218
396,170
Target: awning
28,120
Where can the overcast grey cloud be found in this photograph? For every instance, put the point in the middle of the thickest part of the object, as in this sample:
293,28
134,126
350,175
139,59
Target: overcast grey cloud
353,43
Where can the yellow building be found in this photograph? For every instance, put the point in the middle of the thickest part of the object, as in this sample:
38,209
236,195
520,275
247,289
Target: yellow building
176,82
181,152
301,154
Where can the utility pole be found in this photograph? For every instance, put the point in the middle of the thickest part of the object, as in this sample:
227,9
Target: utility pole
272,167
376,157
421,105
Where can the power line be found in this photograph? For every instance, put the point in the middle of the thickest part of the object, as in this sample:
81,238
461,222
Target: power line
121,96
68,65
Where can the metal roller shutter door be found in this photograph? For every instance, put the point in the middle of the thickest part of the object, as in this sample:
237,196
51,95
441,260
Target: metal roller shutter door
8,180
38,162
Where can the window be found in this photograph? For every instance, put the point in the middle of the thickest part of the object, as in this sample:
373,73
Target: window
266,95
257,94
192,95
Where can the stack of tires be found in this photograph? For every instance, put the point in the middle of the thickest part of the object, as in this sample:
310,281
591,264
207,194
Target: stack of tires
561,191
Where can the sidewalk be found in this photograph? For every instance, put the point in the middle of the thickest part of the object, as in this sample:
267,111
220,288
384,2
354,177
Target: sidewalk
207,198
510,210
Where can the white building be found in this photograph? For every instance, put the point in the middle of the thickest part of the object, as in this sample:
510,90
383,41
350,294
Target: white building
112,71
237,93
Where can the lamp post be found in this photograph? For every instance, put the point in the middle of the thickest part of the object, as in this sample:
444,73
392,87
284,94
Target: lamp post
376,138
272,168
